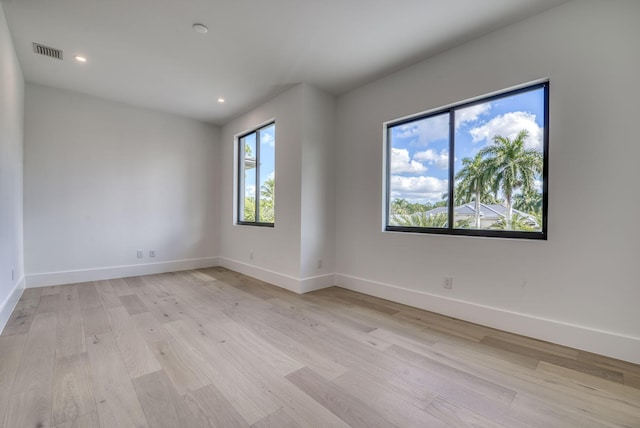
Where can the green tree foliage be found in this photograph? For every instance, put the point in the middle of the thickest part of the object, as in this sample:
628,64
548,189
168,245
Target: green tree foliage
490,198
530,202
422,219
267,201
518,222
249,208
400,206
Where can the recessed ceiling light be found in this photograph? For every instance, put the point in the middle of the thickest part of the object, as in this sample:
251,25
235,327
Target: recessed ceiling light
221,100
80,58
200,28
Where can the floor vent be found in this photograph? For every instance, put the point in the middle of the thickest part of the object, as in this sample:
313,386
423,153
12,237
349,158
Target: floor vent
47,51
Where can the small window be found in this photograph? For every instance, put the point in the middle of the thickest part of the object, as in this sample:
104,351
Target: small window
256,177
478,168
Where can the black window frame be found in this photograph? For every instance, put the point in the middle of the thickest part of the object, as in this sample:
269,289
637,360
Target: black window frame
450,229
241,169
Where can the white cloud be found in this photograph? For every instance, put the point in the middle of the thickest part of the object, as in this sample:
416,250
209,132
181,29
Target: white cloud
408,130
250,191
267,138
426,130
419,189
508,125
400,163
440,160
469,114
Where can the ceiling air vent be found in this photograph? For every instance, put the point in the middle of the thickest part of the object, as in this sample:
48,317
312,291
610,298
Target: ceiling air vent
47,51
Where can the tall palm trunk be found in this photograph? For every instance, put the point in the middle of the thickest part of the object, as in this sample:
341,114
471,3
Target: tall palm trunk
477,208
509,211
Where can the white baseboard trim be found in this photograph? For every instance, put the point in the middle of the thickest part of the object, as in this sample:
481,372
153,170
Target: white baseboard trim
601,342
10,303
288,282
98,274
266,275
317,283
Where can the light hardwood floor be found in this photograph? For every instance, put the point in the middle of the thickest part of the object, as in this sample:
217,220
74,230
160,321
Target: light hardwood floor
213,348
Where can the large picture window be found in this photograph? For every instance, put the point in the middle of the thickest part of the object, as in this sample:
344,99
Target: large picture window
479,168
256,176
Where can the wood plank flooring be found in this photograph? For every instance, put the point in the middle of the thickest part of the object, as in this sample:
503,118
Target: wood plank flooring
214,348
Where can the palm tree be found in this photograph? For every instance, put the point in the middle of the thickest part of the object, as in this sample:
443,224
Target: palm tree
512,167
268,189
472,183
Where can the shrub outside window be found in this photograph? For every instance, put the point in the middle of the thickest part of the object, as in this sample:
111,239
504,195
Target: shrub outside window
477,168
256,177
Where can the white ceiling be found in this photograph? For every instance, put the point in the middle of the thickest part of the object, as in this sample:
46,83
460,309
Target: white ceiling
145,53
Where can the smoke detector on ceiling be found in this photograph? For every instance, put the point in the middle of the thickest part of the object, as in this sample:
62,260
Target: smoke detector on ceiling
47,51
200,28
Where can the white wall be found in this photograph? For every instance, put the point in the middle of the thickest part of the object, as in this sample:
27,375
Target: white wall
580,287
317,211
104,179
304,154
11,168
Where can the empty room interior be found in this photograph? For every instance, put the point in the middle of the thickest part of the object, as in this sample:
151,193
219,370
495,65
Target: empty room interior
357,213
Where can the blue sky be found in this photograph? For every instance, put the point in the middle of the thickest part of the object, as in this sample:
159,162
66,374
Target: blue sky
267,158
420,149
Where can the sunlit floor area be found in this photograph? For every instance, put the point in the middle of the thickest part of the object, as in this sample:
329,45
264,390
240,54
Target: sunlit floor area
214,348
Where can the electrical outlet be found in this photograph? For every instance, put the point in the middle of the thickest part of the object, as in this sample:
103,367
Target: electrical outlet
251,255
152,253
140,254
319,263
448,282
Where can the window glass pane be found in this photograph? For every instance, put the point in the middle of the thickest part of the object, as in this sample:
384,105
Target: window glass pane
418,172
267,174
256,179
499,162
248,186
